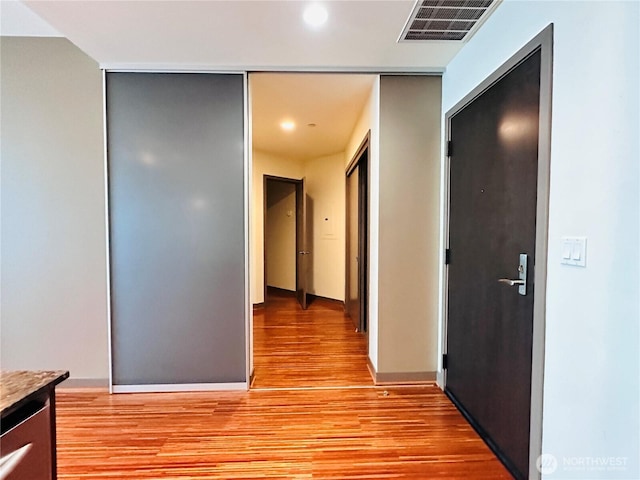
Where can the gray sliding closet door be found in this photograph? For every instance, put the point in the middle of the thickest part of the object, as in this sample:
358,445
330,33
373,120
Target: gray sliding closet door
176,211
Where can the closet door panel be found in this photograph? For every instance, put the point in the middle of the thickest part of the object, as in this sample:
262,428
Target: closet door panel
176,210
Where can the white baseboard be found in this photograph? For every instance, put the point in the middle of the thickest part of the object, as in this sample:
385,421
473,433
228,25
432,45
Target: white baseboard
179,387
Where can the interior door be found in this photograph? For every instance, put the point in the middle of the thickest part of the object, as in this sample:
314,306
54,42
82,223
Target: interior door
357,240
353,244
176,229
302,245
363,236
493,189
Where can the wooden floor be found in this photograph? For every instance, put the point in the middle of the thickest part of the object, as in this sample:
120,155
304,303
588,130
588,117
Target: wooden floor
317,347
346,429
412,432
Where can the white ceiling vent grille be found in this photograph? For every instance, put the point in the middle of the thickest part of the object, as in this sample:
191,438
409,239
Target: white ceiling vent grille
446,19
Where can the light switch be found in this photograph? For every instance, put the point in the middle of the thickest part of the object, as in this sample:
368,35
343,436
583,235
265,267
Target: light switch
574,251
575,254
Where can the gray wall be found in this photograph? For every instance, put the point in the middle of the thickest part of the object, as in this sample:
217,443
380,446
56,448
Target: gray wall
409,223
54,295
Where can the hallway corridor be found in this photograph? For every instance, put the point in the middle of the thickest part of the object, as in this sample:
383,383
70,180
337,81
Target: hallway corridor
317,347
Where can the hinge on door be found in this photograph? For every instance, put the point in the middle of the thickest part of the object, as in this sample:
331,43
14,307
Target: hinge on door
449,149
447,256
445,361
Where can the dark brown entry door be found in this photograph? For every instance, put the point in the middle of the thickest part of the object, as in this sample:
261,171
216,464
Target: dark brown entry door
494,165
302,244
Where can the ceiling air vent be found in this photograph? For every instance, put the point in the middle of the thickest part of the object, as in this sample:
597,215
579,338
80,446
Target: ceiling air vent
446,19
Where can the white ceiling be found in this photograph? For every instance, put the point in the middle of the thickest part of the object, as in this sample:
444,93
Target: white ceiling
243,34
262,35
18,20
332,102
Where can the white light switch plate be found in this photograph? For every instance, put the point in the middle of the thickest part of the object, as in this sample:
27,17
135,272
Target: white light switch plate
574,251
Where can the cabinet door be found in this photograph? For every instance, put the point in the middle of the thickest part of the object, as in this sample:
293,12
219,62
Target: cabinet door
27,449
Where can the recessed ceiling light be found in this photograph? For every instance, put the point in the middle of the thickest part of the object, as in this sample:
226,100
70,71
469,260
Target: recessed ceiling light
315,15
287,125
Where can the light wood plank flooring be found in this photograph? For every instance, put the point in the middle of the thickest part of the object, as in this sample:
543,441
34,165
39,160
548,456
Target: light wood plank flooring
317,347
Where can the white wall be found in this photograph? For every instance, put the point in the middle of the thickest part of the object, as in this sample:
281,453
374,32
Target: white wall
325,184
280,248
370,120
54,293
366,121
591,384
264,164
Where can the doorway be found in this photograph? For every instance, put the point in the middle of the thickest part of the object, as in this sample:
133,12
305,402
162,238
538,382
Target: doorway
305,130
357,237
286,237
300,340
498,196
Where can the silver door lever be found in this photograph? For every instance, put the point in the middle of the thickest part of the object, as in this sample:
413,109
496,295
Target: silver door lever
521,283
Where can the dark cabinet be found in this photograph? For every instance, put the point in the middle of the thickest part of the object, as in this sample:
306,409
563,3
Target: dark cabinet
28,425
26,447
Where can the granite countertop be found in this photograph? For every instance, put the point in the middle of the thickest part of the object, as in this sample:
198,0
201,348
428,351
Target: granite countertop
18,387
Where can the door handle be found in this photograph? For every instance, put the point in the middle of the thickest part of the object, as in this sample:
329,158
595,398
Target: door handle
9,462
521,282
302,252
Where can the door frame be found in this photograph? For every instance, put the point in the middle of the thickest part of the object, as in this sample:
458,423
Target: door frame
298,184
543,42
363,224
